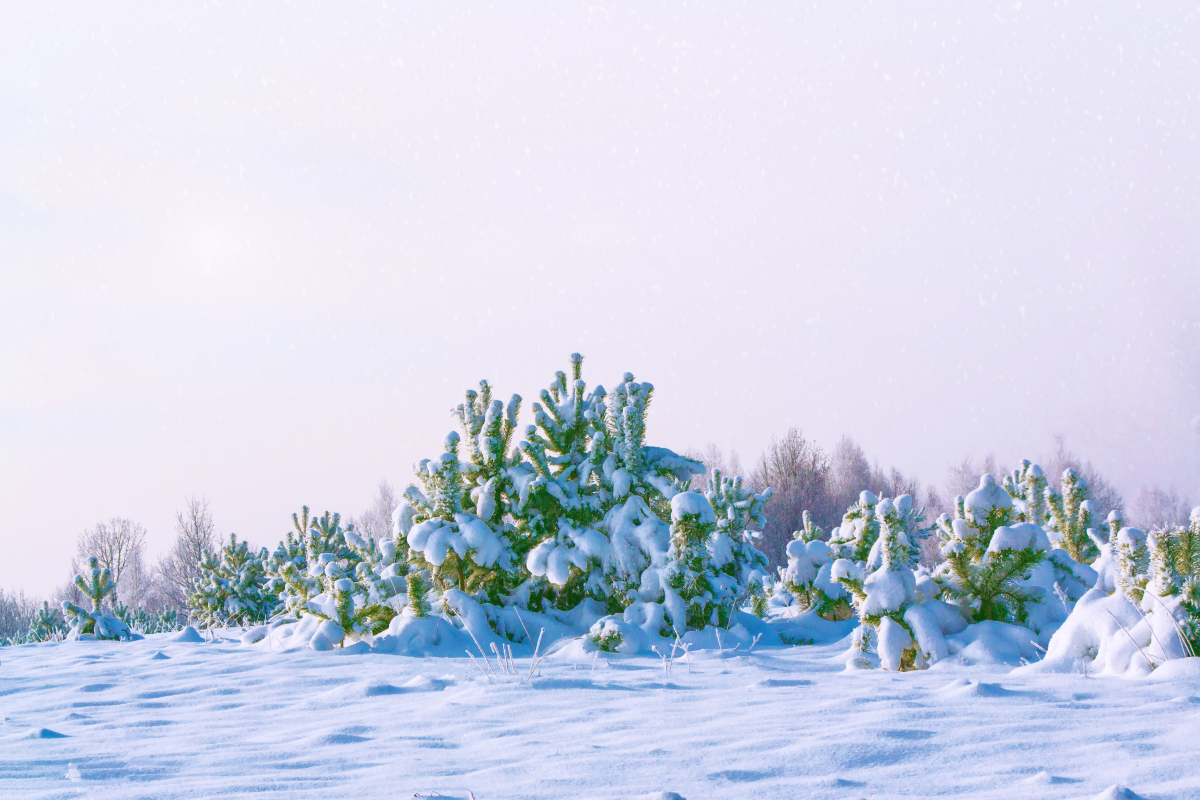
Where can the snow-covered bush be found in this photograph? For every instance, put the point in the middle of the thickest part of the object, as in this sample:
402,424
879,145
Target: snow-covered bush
47,624
231,588
95,623
806,582
459,548
900,620
1145,612
1002,570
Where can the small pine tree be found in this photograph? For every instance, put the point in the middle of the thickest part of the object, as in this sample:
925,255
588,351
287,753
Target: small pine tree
1027,486
458,548
856,536
807,580
1071,517
97,586
691,574
47,624
232,587
986,584
882,597
741,567
418,587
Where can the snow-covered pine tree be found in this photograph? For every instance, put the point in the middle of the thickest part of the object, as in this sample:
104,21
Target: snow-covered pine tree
47,624
232,588
1132,557
694,597
859,531
638,483
377,573
990,591
997,568
882,597
294,576
1027,487
458,548
740,566
806,581
1072,515
97,586
560,495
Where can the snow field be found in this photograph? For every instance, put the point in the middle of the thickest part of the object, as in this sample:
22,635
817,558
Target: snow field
162,718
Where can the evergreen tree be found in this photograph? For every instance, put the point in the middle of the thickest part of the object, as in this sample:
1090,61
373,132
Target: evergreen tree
97,586
1027,486
882,596
806,582
47,623
1072,515
232,587
697,599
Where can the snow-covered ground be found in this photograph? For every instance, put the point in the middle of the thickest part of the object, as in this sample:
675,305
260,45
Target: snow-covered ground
162,718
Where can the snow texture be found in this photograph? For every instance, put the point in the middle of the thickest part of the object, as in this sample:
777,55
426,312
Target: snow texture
167,719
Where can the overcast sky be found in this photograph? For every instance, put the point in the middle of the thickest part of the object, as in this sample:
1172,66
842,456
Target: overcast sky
258,253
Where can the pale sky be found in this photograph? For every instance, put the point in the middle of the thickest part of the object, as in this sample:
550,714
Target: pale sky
257,252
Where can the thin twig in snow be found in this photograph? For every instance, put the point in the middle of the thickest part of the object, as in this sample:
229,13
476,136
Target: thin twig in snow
476,663
467,628
533,660
528,635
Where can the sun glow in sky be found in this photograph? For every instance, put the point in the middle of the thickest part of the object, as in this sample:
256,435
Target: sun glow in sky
256,253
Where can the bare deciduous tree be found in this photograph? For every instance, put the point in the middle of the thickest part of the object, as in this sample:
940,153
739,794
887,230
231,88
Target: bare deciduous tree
195,538
713,458
1105,496
798,471
1155,508
376,521
16,610
119,546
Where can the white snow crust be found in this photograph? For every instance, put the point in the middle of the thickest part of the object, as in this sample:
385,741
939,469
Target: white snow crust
165,718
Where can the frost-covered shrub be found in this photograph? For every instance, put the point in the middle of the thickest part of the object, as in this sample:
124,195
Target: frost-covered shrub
231,588
854,539
740,521
694,597
47,624
95,623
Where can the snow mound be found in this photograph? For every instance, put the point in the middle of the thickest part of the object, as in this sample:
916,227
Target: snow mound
159,656
993,643
1178,669
44,733
1111,635
1117,792
967,688
188,635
